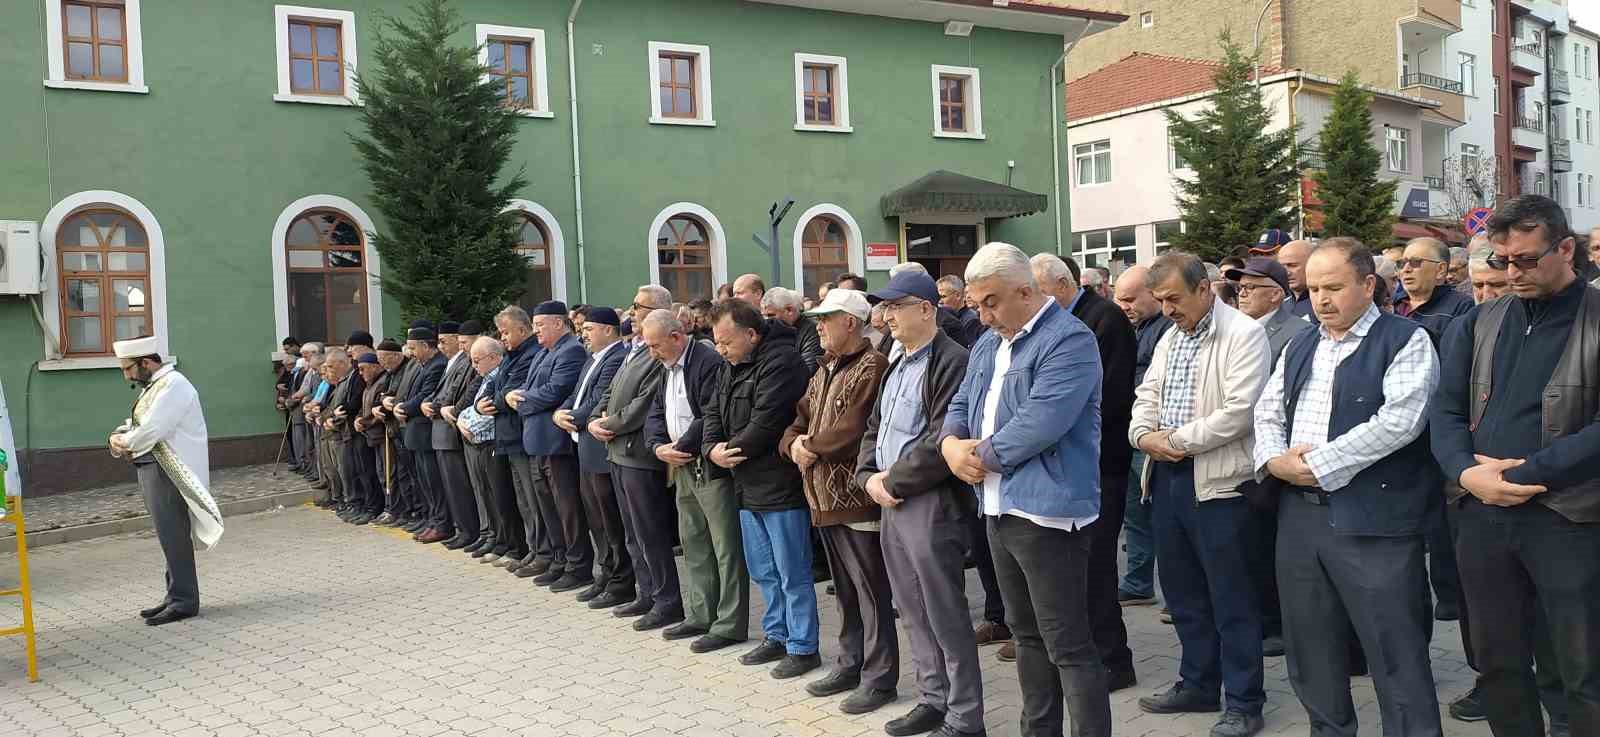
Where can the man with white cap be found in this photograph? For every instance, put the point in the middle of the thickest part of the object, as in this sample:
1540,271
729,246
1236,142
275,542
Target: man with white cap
166,440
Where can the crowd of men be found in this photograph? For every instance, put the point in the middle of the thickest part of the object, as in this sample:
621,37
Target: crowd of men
1305,437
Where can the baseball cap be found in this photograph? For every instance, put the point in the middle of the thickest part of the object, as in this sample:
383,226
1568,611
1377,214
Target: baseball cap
1270,242
843,300
1262,266
906,284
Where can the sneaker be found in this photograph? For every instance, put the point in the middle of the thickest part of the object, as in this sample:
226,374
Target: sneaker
1237,724
1126,599
1468,708
1180,700
921,719
990,633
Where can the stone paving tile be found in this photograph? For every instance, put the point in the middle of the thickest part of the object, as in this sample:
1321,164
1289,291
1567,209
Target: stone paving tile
122,501
311,627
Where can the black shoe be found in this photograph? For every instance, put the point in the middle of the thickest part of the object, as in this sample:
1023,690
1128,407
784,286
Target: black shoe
946,730
1272,646
711,643
538,566
922,718
567,582
550,576
1117,680
638,608
168,616
152,611
529,571
1446,611
364,518
682,631
833,683
1468,708
1237,724
606,600
414,526
1126,599
595,589
769,651
1180,700
455,543
864,700
656,620
796,665
475,546
479,552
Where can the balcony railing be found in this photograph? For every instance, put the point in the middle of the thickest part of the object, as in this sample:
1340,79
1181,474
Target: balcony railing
1430,80
1311,158
1529,124
1560,149
1530,47
1433,182
1559,83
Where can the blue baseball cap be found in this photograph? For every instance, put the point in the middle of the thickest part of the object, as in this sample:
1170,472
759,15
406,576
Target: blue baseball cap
907,284
1270,242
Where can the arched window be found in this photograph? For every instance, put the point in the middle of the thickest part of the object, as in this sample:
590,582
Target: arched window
104,259
533,244
683,255
327,276
823,254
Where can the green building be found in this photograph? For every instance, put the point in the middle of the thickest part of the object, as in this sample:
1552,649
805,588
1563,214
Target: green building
184,167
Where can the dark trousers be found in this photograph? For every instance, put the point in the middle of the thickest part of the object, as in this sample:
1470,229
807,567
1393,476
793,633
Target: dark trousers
868,643
431,483
1105,612
1380,585
1442,557
305,450
403,496
477,458
1209,585
346,463
560,474
371,461
1140,579
994,605
458,492
170,516
648,510
509,537
605,528
1514,562
1043,574
1263,558
525,479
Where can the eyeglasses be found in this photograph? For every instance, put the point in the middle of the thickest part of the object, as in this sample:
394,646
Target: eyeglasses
1417,263
896,306
1245,288
1523,263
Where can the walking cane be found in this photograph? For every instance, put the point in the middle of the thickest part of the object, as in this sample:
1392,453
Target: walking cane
283,442
388,468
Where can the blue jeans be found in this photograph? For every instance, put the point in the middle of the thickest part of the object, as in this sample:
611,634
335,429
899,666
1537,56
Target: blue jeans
777,550
1140,580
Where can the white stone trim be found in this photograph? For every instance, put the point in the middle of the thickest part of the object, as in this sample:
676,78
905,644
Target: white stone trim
280,259
841,98
974,105
702,84
855,251
557,243
347,37
541,80
51,297
55,60
719,240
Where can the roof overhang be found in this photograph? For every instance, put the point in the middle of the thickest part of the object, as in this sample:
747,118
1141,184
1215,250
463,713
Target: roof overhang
1316,83
947,192
1015,15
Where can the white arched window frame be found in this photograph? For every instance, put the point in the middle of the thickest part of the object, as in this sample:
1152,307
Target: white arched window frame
280,265
854,250
52,281
557,243
719,240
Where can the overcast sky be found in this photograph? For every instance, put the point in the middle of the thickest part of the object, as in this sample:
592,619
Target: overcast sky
1585,12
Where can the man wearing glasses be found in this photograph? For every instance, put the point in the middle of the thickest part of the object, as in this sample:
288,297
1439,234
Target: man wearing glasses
1513,424
1430,299
1263,287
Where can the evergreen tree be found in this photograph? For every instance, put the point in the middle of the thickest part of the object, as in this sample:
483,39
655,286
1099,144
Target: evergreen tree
1244,177
1356,202
438,138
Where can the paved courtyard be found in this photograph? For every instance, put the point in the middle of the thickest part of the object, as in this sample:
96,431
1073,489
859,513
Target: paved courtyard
311,627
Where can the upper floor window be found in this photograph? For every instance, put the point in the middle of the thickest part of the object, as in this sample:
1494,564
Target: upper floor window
680,84
1398,141
1092,162
821,93
94,45
316,51
104,261
514,60
957,102
1468,65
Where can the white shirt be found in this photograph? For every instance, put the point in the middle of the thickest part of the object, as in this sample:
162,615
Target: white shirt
583,383
991,409
676,399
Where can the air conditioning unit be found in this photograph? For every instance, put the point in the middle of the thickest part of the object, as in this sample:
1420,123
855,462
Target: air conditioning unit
19,257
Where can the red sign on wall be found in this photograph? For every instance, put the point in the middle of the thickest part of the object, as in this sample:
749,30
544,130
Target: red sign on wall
882,256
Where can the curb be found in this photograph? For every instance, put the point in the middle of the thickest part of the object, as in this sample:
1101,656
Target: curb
75,533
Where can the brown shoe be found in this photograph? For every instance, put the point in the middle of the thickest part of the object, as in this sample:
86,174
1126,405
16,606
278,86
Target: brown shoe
1008,652
432,536
990,633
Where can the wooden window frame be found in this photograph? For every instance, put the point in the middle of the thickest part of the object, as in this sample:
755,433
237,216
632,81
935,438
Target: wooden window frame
328,272
349,66
94,40
538,83
57,57
103,277
810,246
838,71
949,108
680,249
698,84
672,84
505,75
813,97
316,59
971,105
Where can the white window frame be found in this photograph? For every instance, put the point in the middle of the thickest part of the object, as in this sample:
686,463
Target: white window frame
56,63
1580,190
702,85
1147,19
1467,67
1403,138
54,360
855,251
280,257
974,102
719,239
841,97
554,240
1172,156
541,80
1090,152
347,38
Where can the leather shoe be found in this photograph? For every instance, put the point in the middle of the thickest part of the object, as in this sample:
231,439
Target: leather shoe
946,730
567,582
539,565
607,599
769,651
456,543
362,518
1007,652
550,576
431,536
152,611
168,616
638,608
990,633
595,589
864,700
1180,700
384,519
922,718
1118,680
682,631
1272,646
833,683
1237,724
796,665
711,643
656,620
413,526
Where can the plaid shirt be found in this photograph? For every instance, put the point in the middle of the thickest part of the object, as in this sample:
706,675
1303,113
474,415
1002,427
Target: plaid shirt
1407,385
1183,365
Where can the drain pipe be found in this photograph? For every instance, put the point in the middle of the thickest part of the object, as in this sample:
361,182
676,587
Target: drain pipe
577,163
1055,129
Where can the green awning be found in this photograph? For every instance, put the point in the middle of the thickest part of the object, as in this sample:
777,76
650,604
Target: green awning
948,192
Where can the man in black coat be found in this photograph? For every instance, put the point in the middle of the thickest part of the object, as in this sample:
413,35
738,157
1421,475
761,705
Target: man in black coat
601,336
424,344
446,440
1119,350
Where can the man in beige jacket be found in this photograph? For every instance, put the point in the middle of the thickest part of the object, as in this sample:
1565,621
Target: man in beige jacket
1192,417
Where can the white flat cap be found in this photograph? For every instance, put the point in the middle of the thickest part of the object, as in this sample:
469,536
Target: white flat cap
137,347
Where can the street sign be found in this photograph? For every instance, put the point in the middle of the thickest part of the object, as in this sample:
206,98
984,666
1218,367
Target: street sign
882,256
1476,220
1416,203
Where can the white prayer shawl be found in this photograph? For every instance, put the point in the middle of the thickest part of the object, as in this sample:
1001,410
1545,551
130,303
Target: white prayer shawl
168,423
8,445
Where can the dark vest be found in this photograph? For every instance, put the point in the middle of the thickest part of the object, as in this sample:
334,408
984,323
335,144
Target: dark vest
1390,498
1571,398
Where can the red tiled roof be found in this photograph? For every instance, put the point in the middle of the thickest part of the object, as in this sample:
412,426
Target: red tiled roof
1140,79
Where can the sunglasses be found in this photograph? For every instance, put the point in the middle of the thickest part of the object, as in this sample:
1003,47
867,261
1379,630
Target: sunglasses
1417,263
1523,263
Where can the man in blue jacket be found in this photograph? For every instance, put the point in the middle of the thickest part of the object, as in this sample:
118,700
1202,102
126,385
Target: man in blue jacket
551,451
516,332
1024,430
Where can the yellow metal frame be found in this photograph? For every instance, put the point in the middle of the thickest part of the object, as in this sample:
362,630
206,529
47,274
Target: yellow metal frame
13,516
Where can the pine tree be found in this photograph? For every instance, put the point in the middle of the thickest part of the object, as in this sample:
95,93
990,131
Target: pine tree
1244,176
1356,202
437,142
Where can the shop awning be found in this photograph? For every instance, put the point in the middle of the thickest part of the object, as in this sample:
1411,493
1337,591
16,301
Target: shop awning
1406,230
948,192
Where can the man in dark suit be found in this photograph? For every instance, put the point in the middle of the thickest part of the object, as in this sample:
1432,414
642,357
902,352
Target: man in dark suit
614,582
516,332
1119,350
953,297
446,440
1263,289
550,383
424,344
